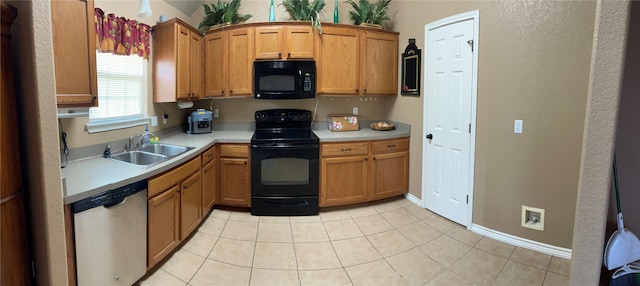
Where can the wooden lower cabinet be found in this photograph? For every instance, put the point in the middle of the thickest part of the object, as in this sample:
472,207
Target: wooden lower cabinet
235,171
209,180
173,209
163,225
344,180
389,175
362,171
190,204
235,183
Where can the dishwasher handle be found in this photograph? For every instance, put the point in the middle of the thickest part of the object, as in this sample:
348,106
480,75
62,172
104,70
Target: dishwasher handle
109,198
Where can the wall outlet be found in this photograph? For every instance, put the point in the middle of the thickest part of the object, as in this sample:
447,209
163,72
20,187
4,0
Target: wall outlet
154,120
533,218
355,110
517,126
216,113
165,118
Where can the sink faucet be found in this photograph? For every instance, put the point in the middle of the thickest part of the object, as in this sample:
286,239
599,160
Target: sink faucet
137,140
107,152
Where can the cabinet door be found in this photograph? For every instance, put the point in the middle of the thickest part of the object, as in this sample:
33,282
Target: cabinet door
337,61
268,42
380,63
389,175
215,64
344,180
195,46
163,225
299,42
190,204
209,185
183,86
240,62
74,53
234,182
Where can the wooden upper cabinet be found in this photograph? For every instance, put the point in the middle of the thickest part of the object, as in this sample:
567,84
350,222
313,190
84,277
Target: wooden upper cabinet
215,55
284,42
228,62
379,74
269,42
177,63
240,76
74,53
338,61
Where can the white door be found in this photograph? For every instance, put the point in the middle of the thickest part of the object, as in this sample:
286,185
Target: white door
449,114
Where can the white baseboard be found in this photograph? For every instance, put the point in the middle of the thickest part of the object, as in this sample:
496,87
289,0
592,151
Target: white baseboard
413,199
522,242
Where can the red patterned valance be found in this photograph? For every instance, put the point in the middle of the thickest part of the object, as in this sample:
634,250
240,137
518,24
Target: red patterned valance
121,36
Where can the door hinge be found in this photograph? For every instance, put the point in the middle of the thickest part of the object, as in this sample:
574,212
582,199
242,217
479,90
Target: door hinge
467,199
470,42
469,127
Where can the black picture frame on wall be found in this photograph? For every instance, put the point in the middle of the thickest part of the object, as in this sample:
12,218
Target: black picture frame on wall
411,59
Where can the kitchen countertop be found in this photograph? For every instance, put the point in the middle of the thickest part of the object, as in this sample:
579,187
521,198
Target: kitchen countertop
90,176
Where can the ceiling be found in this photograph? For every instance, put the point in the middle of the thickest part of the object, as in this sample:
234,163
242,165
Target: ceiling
185,6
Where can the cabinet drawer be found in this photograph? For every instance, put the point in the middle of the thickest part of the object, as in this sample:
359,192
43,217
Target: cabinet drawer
232,150
345,149
162,182
208,155
390,145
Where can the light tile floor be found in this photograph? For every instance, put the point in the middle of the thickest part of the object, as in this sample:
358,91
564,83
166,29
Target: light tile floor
393,242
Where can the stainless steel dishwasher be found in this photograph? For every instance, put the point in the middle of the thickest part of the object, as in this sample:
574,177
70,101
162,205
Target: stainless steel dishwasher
111,236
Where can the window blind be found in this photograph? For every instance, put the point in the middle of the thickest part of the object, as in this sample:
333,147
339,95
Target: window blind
121,83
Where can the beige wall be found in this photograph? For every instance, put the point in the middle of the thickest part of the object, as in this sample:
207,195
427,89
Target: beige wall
533,65
33,66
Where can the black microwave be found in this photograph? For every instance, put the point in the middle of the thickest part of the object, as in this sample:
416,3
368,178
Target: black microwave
284,79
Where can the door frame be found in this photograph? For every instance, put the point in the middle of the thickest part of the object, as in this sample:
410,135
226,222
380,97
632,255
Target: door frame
475,16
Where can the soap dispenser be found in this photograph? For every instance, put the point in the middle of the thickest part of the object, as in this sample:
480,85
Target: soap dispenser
146,137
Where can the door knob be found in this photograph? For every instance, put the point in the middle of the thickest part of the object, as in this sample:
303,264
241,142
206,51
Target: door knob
429,136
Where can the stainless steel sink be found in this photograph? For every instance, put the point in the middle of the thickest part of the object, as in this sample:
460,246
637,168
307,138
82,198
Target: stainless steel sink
165,149
139,158
150,155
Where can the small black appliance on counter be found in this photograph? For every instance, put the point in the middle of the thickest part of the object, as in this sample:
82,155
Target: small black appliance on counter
199,122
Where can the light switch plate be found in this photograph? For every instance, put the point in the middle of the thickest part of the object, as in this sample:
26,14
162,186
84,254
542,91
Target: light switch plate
216,113
355,110
517,126
154,120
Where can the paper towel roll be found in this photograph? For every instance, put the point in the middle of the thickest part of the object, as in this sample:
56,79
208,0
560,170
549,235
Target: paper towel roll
185,104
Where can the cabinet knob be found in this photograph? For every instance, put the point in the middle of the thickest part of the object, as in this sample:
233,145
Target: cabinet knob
364,91
230,91
374,158
366,159
279,55
289,55
357,90
391,146
223,92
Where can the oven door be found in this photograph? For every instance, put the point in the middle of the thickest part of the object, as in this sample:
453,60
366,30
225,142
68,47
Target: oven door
284,170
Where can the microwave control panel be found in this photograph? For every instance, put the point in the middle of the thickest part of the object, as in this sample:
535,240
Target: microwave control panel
308,83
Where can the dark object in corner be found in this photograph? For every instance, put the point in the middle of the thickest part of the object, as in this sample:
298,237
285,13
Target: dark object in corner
410,84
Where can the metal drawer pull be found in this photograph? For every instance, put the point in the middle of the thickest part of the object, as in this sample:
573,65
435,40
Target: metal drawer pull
345,149
391,145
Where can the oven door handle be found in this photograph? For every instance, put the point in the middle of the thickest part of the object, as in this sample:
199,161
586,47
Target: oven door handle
280,146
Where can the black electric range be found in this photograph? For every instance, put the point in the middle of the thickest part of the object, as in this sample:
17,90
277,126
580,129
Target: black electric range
284,163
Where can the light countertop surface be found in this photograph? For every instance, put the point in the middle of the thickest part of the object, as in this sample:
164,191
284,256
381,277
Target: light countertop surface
91,176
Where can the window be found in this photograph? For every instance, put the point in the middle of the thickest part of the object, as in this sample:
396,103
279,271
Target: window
122,84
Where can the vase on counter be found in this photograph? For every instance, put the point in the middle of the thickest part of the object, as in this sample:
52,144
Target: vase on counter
272,13
335,12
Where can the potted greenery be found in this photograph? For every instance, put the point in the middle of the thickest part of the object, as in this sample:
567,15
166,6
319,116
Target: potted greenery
221,13
369,13
303,10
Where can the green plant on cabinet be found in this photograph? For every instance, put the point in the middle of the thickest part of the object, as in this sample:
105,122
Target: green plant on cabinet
221,13
303,10
369,12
